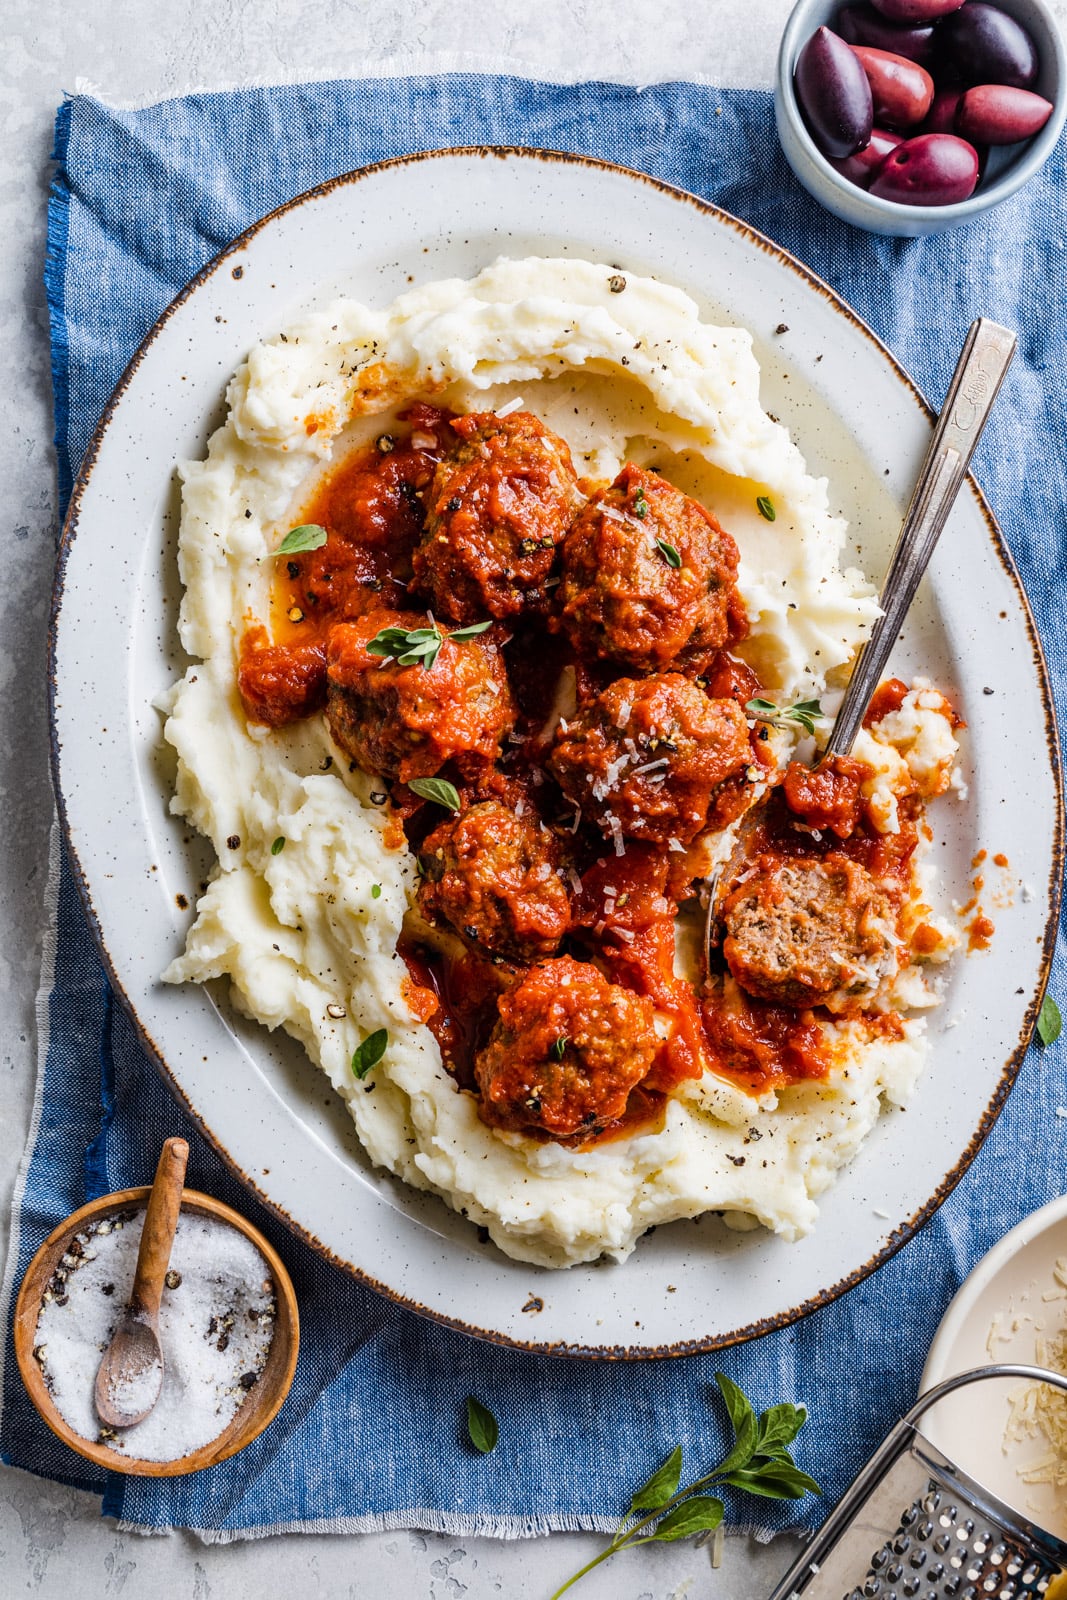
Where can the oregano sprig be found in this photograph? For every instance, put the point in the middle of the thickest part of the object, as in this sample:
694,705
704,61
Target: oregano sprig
806,712
758,1462
410,647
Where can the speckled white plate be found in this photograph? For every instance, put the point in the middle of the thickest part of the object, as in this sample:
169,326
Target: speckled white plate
858,420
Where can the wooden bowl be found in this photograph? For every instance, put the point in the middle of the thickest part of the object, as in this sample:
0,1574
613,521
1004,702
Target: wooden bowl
253,1415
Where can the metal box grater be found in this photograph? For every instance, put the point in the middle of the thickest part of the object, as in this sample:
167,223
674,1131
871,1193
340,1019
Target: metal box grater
915,1526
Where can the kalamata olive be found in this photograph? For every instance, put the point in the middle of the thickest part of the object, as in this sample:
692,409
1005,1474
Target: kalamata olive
862,167
834,95
941,117
915,10
981,44
933,169
991,113
901,90
859,24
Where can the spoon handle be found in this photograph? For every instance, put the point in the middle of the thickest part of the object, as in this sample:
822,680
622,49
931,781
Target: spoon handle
157,1236
979,373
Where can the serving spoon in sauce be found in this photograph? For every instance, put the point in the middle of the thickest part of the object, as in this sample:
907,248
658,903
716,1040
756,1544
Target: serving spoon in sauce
130,1376
985,358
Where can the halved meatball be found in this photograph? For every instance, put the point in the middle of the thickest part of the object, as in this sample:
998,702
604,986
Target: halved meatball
492,875
809,932
406,722
567,1049
644,758
648,575
499,504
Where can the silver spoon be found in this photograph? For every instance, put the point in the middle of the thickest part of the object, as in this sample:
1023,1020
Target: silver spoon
130,1375
983,362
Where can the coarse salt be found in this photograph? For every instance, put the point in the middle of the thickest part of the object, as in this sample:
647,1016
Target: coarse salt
216,1323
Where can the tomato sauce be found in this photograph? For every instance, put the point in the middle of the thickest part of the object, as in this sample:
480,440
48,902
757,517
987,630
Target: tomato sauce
762,1046
887,698
371,509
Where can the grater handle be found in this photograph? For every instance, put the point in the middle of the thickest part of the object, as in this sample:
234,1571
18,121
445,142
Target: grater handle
811,1557
975,1375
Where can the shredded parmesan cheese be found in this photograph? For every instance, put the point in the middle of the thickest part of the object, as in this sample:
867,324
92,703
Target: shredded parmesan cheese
1039,1411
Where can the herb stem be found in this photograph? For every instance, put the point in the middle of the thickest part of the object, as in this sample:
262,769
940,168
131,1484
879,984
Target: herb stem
573,1579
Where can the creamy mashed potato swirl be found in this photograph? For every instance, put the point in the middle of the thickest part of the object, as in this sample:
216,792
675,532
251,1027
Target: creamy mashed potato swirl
307,933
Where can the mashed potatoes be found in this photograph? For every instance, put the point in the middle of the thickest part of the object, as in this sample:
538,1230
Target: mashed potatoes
314,880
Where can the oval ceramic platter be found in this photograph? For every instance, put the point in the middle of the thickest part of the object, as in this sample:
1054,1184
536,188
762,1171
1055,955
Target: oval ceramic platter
860,422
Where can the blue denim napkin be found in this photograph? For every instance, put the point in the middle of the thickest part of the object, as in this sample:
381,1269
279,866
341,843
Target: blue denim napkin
372,1435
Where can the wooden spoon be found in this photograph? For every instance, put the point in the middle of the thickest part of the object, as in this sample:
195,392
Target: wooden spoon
130,1375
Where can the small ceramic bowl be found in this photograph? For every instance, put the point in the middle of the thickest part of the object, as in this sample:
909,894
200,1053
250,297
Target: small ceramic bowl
1008,168
1014,1300
264,1400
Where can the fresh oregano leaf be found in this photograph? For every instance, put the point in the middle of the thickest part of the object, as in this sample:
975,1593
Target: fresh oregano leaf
738,1407
669,553
765,507
777,1428
482,1427
375,891
662,1485
742,1420
461,635
778,1480
700,1514
1049,1021
278,846
370,1052
309,536
436,789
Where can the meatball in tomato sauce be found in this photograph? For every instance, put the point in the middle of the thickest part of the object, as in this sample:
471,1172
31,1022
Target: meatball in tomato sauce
567,1049
407,722
500,502
649,577
492,876
644,759
802,932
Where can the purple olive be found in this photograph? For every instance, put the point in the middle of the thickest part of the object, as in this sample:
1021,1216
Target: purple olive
991,113
981,44
933,169
941,117
915,10
863,166
834,95
901,91
859,24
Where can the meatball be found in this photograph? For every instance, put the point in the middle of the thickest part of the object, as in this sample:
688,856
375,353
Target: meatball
407,721
492,875
644,758
649,576
809,932
499,504
567,1048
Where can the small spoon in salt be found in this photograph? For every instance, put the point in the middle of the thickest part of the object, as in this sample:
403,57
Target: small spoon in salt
130,1376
